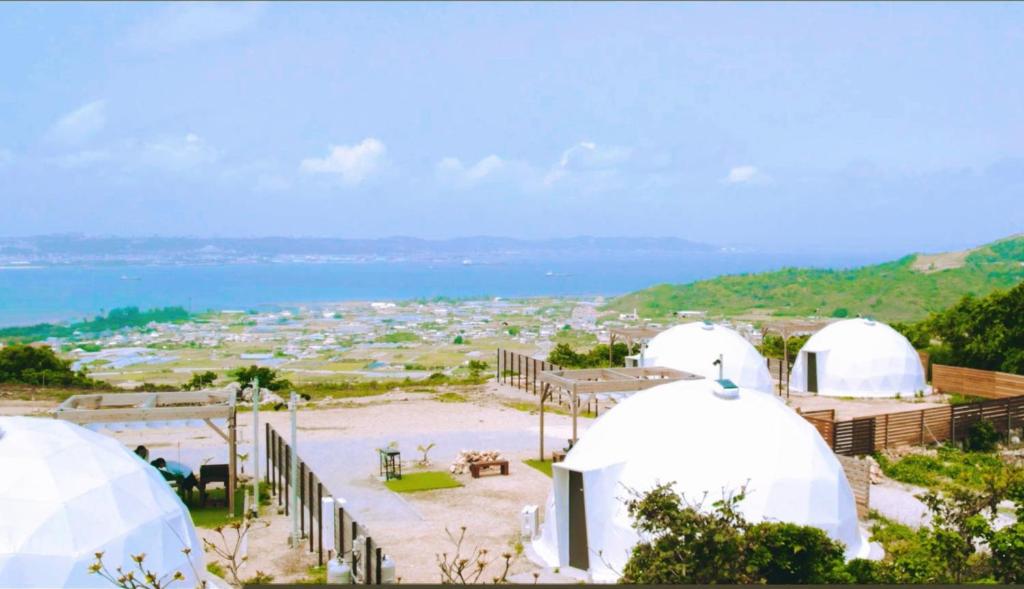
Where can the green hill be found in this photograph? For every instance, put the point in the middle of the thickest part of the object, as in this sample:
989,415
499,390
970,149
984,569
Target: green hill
903,290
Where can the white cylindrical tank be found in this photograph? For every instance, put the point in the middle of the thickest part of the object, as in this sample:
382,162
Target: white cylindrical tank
387,571
529,522
338,572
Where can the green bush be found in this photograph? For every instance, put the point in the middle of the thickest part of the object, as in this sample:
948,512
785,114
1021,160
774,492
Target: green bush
982,436
689,545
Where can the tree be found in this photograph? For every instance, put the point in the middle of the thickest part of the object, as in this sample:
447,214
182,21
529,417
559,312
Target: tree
39,365
985,333
268,377
563,355
201,380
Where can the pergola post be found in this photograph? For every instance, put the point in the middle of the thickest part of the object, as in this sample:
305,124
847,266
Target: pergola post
543,393
575,400
256,445
232,458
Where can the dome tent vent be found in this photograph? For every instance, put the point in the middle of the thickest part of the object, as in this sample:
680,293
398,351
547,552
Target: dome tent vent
726,389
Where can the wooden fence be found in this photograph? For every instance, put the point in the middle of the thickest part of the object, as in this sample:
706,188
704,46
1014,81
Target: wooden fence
977,383
865,435
311,517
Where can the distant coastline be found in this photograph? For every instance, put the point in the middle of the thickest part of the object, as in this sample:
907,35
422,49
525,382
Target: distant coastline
73,291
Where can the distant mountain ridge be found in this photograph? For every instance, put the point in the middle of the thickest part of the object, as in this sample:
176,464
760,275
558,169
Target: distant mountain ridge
69,248
902,290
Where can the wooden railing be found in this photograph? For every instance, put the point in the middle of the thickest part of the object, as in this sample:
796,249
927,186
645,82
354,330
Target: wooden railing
520,370
311,492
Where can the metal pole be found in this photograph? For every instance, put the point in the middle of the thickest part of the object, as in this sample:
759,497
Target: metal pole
293,403
256,445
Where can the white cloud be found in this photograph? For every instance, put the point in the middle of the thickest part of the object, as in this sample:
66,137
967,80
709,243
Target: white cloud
353,163
80,124
451,169
178,153
745,175
184,24
589,161
587,158
84,158
171,153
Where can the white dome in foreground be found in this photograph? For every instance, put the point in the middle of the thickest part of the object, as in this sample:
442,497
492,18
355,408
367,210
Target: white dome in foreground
694,348
67,493
684,432
858,358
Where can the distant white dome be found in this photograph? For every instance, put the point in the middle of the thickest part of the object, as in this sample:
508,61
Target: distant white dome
694,347
67,493
686,433
859,358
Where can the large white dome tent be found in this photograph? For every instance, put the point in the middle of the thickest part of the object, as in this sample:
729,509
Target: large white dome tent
694,347
67,493
692,434
858,358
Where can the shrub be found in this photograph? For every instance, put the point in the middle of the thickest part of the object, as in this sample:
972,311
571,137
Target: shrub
982,436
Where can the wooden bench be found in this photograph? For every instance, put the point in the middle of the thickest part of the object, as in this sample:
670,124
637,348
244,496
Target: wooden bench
558,456
476,467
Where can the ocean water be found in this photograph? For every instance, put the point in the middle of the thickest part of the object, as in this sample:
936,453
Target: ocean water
59,293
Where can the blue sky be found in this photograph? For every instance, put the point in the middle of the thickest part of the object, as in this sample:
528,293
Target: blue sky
864,127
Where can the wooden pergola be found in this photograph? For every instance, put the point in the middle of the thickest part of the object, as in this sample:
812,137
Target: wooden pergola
181,407
589,382
631,335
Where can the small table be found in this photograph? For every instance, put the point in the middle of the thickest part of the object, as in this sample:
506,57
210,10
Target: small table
390,463
558,456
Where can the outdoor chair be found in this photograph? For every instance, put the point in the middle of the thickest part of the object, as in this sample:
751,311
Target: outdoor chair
212,473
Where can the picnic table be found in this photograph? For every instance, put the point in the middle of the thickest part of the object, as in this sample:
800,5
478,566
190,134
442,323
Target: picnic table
476,467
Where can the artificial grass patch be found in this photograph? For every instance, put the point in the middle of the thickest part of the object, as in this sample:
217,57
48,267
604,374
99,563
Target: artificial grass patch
422,481
543,466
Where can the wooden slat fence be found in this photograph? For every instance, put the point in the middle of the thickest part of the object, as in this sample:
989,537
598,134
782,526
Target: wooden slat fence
977,383
366,569
1005,415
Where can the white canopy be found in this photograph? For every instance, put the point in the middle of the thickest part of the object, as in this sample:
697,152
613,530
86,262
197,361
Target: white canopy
685,432
859,358
67,493
694,347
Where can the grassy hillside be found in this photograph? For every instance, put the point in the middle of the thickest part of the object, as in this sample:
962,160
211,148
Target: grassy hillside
903,290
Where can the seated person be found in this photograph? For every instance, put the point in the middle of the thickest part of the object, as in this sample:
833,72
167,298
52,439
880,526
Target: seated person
142,452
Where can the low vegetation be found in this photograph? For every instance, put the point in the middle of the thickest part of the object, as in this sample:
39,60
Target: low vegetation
893,291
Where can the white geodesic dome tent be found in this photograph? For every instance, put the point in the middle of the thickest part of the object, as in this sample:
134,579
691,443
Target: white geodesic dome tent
694,348
858,358
688,433
67,493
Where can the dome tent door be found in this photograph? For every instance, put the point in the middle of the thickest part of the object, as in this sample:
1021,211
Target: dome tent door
578,549
812,372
